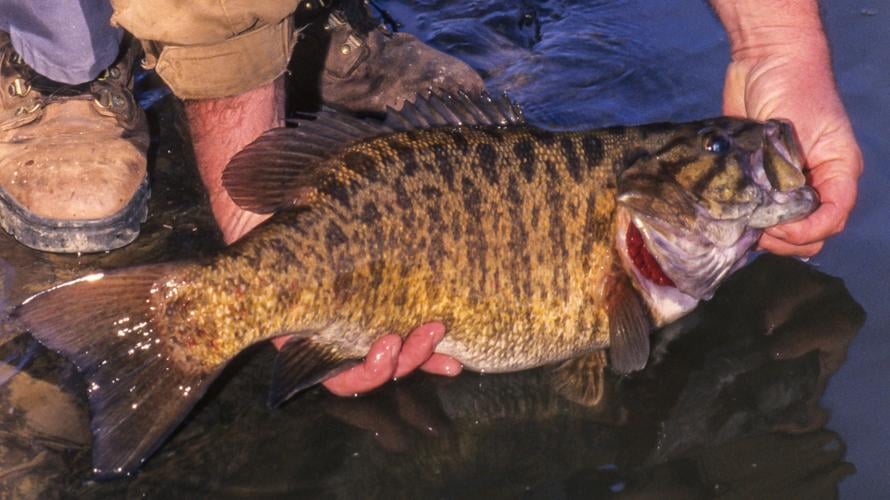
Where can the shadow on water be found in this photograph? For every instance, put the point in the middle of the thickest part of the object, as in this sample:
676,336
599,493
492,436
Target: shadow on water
728,405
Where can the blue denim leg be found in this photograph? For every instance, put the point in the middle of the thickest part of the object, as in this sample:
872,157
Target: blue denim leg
69,41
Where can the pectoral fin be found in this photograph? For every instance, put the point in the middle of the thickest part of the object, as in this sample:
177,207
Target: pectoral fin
629,328
302,363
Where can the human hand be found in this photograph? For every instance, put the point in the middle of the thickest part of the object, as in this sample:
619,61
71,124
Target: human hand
789,76
390,358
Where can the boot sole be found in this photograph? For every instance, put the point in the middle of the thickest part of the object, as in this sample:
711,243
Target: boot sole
74,236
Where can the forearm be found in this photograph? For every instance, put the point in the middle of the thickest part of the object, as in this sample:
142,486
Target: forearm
762,28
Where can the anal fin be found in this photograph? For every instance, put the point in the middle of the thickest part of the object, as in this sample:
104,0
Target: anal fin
582,379
629,327
301,363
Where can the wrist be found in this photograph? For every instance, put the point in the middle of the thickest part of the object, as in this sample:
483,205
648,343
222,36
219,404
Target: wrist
760,29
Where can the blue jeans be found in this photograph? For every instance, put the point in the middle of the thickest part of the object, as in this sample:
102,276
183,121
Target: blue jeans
70,41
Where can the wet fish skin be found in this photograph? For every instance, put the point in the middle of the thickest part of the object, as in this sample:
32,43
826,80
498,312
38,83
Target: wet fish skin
515,266
506,234
514,237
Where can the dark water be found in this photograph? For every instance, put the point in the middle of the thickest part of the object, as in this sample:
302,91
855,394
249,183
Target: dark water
715,413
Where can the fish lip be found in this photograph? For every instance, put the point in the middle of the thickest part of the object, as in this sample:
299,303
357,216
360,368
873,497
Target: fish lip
782,137
788,197
785,207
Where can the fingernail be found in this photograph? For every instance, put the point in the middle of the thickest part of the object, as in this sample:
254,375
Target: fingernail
437,335
777,233
452,369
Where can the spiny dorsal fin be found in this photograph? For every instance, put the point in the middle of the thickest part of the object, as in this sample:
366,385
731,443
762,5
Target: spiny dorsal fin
270,172
455,110
283,164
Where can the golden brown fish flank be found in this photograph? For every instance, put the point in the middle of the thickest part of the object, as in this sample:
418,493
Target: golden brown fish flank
371,258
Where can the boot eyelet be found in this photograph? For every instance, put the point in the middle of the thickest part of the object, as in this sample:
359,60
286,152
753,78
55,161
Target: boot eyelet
103,98
18,88
24,110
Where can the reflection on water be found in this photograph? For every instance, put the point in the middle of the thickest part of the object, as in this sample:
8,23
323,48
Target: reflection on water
729,404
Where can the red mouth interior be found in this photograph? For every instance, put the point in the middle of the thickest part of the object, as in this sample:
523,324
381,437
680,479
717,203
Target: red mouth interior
643,260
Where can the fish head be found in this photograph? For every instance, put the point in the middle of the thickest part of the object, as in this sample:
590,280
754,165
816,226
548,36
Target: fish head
694,199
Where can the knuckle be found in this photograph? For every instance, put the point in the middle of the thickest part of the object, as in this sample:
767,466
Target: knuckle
839,226
813,249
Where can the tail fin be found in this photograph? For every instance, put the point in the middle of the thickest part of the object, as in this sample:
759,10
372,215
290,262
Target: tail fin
105,324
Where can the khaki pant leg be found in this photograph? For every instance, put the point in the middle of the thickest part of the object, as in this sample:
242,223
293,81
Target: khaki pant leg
211,48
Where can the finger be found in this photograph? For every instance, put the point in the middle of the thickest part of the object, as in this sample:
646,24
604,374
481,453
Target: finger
826,221
418,347
837,190
781,247
440,364
378,368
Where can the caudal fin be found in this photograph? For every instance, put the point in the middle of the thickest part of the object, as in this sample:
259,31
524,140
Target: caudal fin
106,325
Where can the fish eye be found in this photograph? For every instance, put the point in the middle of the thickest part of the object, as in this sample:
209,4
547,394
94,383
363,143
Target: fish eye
717,143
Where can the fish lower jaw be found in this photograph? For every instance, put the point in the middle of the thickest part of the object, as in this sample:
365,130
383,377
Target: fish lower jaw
666,303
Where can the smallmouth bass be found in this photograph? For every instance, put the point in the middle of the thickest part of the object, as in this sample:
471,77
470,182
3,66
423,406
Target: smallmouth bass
531,246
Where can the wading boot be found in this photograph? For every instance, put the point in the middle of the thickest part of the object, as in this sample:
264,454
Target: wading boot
72,157
347,59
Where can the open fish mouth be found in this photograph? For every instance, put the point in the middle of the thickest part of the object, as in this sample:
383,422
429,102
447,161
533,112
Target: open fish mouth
781,178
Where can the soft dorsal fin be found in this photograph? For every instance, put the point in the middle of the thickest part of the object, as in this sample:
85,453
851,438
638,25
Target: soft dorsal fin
461,109
276,170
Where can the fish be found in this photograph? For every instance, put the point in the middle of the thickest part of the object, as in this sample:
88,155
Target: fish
532,246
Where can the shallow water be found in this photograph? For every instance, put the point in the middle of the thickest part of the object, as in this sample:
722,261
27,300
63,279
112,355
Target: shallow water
714,413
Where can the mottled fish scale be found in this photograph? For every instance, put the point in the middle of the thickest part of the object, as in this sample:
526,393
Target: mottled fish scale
366,262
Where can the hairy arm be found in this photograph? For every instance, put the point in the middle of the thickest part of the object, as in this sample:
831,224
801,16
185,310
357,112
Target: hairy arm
781,68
